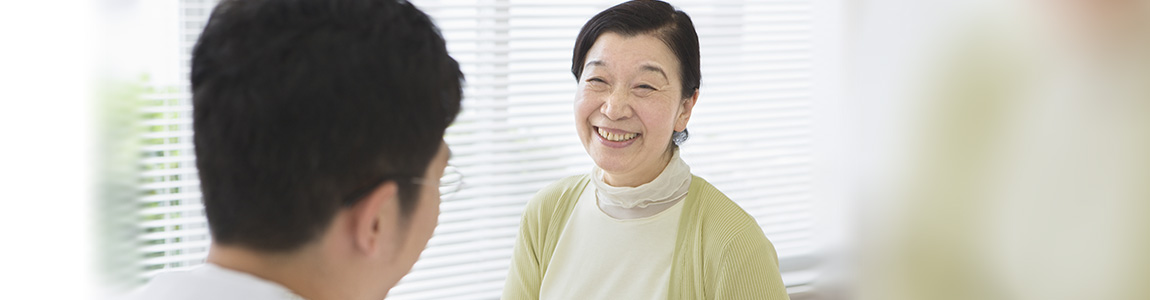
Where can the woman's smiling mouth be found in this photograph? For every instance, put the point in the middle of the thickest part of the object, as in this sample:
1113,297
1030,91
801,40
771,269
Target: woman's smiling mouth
615,138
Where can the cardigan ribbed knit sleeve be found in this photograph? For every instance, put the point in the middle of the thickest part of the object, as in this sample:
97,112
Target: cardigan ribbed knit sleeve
526,273
722,252
748,269
543,221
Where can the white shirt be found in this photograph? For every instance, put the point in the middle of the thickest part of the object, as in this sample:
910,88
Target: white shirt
210,281
600,257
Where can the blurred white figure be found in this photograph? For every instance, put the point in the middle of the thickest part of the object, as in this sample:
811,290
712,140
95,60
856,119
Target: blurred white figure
1030,172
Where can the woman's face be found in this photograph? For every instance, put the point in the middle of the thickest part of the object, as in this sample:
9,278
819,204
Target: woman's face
628,104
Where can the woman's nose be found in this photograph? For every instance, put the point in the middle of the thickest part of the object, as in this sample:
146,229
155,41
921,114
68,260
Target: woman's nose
617,106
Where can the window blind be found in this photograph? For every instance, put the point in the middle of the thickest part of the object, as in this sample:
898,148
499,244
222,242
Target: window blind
173,229
753,133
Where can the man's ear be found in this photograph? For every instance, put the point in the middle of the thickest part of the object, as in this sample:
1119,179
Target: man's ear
368,217
685,111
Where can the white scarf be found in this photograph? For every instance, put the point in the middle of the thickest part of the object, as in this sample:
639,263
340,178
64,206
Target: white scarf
670,186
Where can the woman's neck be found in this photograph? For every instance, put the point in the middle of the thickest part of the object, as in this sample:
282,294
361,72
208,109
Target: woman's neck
639,176
649,198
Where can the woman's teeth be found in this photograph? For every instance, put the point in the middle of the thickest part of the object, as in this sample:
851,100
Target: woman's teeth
616,137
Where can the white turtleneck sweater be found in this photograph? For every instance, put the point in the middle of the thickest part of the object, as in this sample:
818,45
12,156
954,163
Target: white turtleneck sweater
619,241
645,200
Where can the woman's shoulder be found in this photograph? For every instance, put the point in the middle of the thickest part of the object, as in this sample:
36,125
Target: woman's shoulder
566,183
555,193
714,203
717,213
561,188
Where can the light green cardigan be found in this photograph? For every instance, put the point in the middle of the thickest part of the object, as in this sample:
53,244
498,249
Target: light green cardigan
720,251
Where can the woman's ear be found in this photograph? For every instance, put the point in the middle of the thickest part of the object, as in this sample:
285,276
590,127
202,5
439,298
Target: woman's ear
685,111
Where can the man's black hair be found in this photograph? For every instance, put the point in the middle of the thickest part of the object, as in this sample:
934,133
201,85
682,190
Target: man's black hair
298,104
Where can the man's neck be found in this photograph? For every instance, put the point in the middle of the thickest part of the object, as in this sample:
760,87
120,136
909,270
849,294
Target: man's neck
296,271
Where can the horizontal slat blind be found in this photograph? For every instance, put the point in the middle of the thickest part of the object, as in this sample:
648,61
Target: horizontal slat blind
753,128
173,230
752,131
513,137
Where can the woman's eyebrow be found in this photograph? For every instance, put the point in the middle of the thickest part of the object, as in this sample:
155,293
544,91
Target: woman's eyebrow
654,68
645,67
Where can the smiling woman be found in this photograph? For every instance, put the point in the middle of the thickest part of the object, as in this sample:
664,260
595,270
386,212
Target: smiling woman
640,226
627,107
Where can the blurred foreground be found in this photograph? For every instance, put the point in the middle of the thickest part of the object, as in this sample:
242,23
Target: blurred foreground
1020,168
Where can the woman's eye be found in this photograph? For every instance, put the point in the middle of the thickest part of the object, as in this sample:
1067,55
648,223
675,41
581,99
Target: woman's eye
643,90
596,83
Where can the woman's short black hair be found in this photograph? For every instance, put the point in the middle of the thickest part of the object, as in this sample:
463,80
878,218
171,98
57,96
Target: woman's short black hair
637,17
299,103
